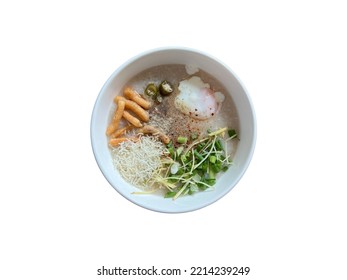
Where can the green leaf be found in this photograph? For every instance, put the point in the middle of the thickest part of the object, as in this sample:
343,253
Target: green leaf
232,133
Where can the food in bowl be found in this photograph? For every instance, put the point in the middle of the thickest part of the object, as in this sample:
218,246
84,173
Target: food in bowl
173,130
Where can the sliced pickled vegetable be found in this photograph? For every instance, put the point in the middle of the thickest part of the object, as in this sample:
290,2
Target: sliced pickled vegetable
151,90
166,88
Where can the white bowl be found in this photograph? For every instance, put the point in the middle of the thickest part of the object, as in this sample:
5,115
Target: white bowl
174,55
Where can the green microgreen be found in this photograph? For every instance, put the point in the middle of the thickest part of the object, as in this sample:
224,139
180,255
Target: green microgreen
192,167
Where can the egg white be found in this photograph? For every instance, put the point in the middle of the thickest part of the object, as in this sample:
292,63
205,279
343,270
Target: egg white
196,99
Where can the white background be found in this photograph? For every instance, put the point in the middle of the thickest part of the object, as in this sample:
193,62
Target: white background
60,219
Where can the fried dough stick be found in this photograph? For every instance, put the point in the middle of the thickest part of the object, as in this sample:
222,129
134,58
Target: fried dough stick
121,131
116,118
134,107
116,141
131,119
134,96
148,129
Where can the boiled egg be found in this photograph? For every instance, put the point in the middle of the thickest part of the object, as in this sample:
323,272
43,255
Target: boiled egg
196,99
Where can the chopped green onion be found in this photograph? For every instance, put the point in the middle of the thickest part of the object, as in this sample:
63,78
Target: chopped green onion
174,168
182,139
213,159
217,167
199,156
